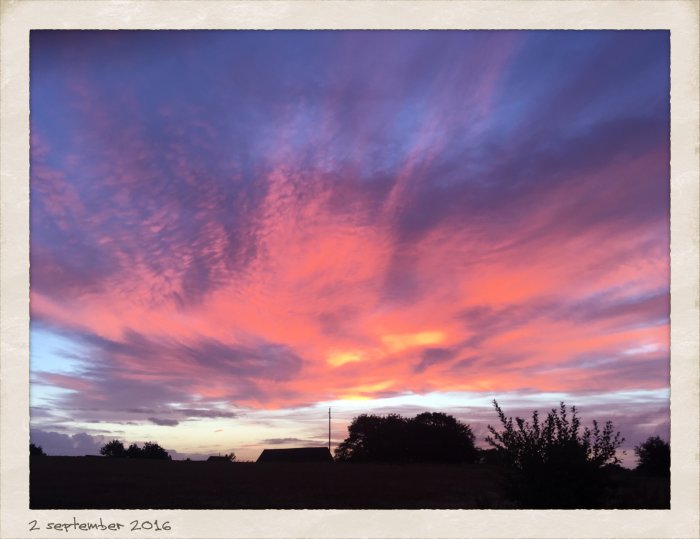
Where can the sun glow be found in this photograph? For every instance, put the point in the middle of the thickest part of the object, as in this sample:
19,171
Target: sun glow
367,391
336,359
400,342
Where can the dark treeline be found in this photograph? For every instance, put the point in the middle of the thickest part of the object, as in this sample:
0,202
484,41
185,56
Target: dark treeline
549,462
150,450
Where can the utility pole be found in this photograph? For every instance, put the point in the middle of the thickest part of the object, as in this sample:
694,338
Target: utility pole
329,429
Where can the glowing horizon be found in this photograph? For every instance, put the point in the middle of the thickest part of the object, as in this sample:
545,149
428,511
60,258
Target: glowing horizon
233,230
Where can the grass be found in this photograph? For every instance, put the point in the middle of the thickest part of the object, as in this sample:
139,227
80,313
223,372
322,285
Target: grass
102,483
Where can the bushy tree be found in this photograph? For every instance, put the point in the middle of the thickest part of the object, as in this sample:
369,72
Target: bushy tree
553,464
36,451
654,457
231,456
134,452
428,437
373,438
113,449
438,437
152,450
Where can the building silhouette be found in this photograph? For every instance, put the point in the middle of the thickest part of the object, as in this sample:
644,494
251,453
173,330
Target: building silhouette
296,454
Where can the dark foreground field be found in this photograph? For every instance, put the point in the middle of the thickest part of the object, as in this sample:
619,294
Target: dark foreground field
101,483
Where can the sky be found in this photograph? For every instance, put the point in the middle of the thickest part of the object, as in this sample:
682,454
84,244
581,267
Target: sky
232,231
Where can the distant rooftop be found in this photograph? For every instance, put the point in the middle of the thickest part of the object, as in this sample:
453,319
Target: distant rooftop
296,454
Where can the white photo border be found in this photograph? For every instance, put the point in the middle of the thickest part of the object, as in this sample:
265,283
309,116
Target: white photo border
18,17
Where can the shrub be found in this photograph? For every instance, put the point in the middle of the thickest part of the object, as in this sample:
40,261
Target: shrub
654,457
552,464
36,451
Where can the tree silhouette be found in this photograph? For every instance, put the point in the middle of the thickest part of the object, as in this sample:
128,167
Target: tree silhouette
439,437
152,450
654,457
552,464
428,437
373,438
36,451
134,452
113,449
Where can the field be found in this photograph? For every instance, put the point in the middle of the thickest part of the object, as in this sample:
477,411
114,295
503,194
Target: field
101,483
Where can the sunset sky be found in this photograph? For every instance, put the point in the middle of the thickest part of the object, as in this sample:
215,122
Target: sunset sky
232,231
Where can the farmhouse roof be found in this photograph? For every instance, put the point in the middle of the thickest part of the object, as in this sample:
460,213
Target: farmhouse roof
296,454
